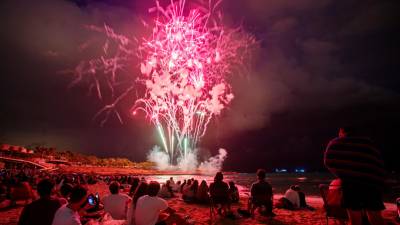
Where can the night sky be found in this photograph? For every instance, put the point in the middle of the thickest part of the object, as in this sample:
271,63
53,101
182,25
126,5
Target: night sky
320,64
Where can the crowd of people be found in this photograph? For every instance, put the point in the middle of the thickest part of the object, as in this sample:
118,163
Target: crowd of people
63,199
66,201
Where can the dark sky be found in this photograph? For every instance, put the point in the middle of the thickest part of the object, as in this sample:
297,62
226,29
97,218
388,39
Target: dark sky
321,64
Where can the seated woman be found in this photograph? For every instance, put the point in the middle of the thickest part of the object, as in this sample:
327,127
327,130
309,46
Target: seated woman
134,184
202,193
166,191
176,187
233,192
189,192
219,194
140,191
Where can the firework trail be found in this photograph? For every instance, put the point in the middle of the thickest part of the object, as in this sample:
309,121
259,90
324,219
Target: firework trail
184,65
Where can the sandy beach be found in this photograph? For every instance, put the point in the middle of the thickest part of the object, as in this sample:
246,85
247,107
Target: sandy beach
200,214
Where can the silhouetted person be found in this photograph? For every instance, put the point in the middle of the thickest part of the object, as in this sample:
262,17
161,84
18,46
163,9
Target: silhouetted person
134,184
65,192
358,163
261,194
219,192
141,190
202,193
233,192
41,211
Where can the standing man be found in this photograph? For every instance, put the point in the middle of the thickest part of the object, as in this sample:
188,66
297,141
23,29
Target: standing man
358,163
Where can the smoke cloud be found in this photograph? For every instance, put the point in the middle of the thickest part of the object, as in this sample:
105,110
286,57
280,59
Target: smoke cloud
189,163
213,164
159,157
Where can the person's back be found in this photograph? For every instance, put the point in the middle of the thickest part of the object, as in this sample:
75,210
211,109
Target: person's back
359,165
41,211
219,189
148,207
293,197
261,190
116,203
165,192
261,194
202,193
68,214
233,192
343,156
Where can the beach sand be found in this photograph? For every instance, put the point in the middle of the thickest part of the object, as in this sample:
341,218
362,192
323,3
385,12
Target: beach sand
200,214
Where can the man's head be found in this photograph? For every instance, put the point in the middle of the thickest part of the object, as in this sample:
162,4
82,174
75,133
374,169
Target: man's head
45,187
219,177
65,190
261,174
346,131
77,197
114,187
153,188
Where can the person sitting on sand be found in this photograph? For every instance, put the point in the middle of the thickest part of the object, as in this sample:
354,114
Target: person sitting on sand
177,186
233,192
189,193
65,192
186,189
69,214
202,193
261,194
149,208
116,204
134,184
290,200
302,197
166,190
170,187
141,190
182,186
171,181
33,213
220,195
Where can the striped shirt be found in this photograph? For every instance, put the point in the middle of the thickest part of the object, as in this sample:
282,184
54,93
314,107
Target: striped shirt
355,160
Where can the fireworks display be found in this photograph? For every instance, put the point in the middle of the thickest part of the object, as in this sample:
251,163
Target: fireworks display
184,65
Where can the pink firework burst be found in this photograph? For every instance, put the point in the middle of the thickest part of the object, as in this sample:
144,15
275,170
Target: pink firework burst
184,65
